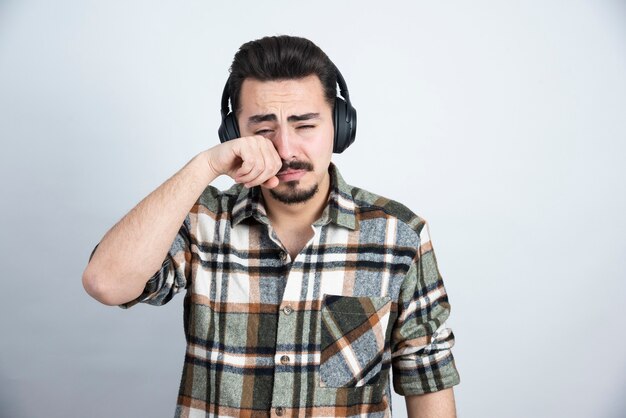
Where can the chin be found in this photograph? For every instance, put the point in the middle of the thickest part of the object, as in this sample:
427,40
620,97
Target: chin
292,193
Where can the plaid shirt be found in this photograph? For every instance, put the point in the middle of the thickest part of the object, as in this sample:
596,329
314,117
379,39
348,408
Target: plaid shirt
313,336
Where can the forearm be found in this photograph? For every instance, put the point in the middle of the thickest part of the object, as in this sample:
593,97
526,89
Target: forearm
134,248
431,405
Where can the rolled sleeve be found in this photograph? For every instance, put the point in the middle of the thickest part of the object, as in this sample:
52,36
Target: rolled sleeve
422,360
172,277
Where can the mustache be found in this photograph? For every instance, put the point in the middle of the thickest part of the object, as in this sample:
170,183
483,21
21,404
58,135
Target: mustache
296,165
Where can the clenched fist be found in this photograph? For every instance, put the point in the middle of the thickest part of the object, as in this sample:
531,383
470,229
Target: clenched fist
251,160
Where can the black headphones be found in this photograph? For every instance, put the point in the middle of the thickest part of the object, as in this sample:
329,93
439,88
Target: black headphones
344,118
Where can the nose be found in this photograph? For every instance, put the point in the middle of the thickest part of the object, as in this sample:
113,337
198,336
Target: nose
283,144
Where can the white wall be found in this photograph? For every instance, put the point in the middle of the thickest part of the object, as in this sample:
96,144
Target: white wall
501,123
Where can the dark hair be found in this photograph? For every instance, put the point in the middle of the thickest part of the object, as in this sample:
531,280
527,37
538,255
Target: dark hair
281,58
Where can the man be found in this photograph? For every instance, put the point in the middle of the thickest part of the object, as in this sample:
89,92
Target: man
301,291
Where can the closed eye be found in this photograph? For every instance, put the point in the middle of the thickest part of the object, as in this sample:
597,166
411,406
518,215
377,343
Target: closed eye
306,126
263,132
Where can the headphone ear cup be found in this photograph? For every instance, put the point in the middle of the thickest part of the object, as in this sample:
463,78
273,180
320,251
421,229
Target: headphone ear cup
228,129
344,118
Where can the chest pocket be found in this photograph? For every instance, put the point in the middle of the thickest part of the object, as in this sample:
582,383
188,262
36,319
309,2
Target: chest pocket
353,330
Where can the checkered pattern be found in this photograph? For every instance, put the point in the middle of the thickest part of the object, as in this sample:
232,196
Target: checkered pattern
313,336
353,339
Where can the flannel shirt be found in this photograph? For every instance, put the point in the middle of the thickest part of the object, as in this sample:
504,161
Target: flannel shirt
314,336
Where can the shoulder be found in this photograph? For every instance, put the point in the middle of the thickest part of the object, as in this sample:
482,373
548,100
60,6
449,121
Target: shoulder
217,201
370,205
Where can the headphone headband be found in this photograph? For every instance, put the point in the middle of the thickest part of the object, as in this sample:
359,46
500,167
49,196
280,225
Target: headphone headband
343,88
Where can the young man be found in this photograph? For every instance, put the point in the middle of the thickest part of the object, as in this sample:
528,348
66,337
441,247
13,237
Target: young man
301,291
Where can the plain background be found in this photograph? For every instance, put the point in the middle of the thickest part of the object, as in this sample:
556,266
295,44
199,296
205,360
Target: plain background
501,123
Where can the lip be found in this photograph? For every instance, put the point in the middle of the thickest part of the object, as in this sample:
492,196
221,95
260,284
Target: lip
290,175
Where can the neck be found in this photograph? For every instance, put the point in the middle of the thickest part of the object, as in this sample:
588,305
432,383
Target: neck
298,215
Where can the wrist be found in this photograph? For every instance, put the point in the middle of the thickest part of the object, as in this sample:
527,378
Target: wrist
204,160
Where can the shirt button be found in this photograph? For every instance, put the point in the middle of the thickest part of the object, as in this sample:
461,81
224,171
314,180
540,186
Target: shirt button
279,411
284,359
287,310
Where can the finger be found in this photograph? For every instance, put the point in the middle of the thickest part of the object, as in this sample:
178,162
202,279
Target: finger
244,168
257,161
271,183
273,164
240,152
248,153
271,159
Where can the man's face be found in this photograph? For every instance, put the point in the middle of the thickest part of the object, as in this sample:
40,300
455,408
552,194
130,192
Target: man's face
295,116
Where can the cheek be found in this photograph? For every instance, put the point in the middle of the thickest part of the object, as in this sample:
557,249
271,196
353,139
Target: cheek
324,147
320,147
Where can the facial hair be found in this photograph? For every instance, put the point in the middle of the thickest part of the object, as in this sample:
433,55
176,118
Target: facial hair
294,195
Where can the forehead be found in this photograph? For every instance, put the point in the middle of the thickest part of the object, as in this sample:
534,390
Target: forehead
299,95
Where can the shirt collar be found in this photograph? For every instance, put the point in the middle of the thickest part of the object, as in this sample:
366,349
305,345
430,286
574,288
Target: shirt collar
340,208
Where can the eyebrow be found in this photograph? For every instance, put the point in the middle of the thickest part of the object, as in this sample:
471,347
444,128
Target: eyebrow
271,117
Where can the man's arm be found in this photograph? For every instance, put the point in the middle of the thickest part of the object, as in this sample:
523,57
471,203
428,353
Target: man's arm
134,248
423,365
431,405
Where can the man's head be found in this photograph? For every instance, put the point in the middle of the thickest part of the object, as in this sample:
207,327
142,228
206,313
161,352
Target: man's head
284,58
284,88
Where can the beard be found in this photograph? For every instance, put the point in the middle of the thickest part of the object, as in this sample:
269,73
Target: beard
293,194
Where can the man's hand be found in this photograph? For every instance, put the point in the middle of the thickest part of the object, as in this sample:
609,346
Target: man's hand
250,160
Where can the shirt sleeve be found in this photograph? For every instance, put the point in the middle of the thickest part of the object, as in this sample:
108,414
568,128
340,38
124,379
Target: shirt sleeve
422,360
172,277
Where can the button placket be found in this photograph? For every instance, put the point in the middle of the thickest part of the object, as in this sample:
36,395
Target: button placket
295,281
